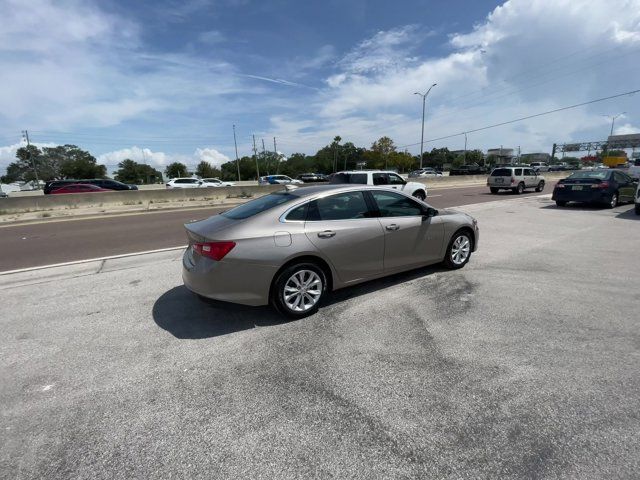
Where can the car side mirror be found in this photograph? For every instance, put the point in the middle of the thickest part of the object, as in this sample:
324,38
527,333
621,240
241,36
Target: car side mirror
429,212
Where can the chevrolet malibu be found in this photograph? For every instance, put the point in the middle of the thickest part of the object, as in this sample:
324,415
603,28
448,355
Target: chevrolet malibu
291,247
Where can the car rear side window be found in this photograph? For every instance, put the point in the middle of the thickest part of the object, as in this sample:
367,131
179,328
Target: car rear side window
298,214
501,172
380,179
259,205
518,172
342,206
395,205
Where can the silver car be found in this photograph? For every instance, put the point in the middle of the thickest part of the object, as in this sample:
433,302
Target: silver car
291,247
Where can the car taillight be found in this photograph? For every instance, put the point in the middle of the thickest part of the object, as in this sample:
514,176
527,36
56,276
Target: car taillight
513,180
215,250
560,185
604,184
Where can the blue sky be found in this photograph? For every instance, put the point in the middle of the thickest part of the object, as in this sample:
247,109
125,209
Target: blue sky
166,80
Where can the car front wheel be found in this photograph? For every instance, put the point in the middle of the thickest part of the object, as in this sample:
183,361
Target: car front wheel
637,208
459,250
420,195
540,187
298,290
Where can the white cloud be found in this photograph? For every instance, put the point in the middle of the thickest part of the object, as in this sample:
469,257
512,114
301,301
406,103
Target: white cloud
626,129
137,154
211,155
8,153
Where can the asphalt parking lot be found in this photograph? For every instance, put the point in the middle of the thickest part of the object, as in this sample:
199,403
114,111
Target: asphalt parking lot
524,364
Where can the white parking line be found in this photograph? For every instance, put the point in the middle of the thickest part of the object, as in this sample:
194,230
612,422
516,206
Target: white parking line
79,262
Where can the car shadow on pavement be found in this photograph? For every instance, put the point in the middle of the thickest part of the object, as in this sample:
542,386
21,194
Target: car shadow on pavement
629,214
185,316
589,207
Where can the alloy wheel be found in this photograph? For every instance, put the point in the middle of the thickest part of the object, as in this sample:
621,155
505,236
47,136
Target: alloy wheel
460,249
302,290
614,200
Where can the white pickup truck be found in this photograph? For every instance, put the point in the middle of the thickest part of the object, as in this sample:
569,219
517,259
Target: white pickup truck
380,178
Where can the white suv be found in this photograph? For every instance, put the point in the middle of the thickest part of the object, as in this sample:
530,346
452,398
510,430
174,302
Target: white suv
516,179
380,178
184,183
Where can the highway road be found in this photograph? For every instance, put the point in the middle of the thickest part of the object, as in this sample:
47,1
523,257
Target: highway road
57,241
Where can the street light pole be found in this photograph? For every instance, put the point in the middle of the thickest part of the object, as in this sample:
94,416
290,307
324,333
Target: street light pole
235,142
613,120
424,101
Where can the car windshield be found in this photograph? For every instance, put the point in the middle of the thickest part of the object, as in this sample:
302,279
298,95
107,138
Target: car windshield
600,175
259,205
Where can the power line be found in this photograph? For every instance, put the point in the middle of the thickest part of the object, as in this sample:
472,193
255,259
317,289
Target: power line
548,112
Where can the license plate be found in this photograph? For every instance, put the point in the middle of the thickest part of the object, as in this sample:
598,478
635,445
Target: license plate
577,187
499,180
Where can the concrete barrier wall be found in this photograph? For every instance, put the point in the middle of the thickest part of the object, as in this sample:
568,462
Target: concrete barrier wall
131,197
216,195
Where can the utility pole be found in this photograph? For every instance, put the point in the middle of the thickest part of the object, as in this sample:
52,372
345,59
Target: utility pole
25,133
465,148
144,160
275,151
235,142
255,155
264,155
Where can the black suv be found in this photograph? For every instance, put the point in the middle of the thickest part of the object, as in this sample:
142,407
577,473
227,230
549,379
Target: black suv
100,182
467,170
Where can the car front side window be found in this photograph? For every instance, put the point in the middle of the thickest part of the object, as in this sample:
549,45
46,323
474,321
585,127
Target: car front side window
395,205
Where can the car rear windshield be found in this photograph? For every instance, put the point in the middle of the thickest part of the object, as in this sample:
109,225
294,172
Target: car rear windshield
501,172
360,178
599,175
259,205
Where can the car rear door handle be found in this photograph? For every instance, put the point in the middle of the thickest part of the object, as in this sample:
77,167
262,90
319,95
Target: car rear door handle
326,234
393,226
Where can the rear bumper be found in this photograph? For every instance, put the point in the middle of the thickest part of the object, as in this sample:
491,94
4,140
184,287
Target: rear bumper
237,282
588,196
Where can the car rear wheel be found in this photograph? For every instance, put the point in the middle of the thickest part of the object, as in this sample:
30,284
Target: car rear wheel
561,203
494,190
613,203
459,250
420,195
298,290
519,189
540,187
637,208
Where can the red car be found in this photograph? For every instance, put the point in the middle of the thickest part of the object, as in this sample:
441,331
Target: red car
79,188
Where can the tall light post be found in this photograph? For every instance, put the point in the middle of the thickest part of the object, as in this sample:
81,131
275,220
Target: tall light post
613,120
424,100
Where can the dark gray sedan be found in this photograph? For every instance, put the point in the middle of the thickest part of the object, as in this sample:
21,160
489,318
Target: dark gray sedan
291,247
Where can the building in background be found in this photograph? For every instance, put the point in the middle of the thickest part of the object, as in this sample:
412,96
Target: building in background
501,155
528,158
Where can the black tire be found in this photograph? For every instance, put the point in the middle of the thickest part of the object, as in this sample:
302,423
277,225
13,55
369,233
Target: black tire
637,209
613,202
278,291
494,190
561,203
449,260
540,186
420,195
519,189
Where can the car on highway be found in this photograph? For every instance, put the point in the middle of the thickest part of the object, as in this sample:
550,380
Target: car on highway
184,182
608,187
292,247
473,169
381,178
3,194
425,173
106,183
634,168
637,200
215,182
278,180
516,179
312,177
540,166
79,188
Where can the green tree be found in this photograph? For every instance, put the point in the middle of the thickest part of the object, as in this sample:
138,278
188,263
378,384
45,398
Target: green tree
130,171
176,169
206,170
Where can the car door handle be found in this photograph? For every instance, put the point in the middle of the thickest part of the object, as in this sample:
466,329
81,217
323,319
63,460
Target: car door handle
393,226
326,234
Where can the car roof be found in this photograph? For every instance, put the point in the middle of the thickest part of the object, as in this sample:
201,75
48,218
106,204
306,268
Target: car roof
311,190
